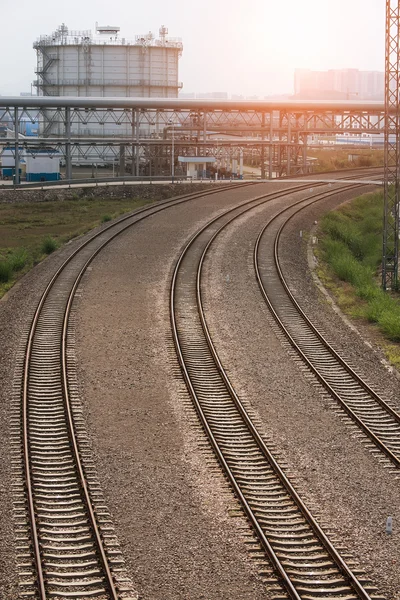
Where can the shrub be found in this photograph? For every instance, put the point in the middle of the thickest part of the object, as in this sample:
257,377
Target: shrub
389,322
49,244
349,269
380,304
5,271
18,259
364,161
368,292
333,249
106,218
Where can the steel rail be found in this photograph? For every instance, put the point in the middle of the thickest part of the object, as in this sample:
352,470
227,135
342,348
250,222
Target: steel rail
263,539
25,409
344,364
381,445
260,442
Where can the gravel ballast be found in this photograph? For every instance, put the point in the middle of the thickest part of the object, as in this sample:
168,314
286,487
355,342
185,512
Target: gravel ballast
171,507
335,472
16,310
171,512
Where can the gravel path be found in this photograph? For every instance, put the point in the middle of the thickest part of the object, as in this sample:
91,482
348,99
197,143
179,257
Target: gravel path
337,475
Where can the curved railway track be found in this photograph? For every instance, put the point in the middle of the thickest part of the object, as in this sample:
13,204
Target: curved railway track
75,551
74,548
379,421
307,564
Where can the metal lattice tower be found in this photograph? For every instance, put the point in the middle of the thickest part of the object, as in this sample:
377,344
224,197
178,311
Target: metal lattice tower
390,257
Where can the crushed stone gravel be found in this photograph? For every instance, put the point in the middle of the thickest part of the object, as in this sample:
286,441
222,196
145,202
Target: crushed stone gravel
339,478
171,507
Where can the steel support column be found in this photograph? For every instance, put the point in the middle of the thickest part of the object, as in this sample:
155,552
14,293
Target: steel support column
305,140
271,141
133,124
390,255
16,135
121,172
262,146
68,160
288,149
137,149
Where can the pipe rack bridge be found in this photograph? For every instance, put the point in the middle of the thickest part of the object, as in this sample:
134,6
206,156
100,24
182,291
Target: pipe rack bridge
138,130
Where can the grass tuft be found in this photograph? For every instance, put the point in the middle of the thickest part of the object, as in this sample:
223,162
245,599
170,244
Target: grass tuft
5,271
106,218
18,259
49,244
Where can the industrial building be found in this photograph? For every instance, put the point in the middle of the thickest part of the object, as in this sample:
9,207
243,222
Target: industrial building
78,63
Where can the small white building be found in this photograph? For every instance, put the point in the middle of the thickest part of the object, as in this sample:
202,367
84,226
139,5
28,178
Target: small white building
42,165
196,166
8,163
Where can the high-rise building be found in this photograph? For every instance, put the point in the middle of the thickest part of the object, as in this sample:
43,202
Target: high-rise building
347,84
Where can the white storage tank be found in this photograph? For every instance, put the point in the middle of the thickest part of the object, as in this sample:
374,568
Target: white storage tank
42,165
77,63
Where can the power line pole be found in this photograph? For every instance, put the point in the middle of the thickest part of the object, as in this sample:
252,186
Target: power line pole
390,257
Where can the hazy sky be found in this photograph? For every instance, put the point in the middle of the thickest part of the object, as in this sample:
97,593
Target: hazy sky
241,47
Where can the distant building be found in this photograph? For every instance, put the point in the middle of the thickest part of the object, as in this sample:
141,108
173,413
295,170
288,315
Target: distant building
212,96
340,84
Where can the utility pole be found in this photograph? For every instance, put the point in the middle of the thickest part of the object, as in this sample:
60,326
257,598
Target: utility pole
390,258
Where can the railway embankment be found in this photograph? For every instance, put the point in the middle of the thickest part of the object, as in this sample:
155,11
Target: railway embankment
147,191
349,254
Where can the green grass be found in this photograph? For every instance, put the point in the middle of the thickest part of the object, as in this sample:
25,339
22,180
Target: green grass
18,258
48,245
351,252
5,271
29,231
333,159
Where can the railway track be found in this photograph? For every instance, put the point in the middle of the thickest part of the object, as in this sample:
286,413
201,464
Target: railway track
307,564
67,545
378,420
